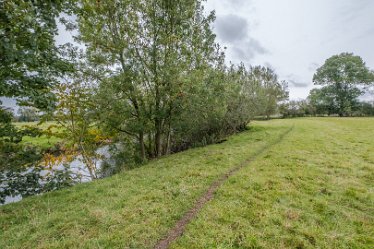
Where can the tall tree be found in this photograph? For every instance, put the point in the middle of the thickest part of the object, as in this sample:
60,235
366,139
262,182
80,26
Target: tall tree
29,57
345,73
147,49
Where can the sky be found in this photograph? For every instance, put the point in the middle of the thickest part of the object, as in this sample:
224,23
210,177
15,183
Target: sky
294,37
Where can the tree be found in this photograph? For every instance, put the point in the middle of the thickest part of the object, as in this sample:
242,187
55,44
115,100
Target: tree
13,155
27,114
296,108
323,100
344,73
8,131
146,49
367,108
74,114
29,58
272,90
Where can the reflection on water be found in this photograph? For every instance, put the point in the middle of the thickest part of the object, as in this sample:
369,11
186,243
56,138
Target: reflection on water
77,167
10,199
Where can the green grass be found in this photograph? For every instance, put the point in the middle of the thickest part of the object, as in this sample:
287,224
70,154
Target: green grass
313,190
44,141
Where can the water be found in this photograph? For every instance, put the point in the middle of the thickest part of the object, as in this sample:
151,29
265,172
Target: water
77,168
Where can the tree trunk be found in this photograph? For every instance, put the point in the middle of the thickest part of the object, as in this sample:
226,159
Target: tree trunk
158,137
167,143
150,145
89,164
142,147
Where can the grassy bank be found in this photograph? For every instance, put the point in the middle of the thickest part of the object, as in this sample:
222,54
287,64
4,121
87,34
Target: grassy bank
130,210
313,189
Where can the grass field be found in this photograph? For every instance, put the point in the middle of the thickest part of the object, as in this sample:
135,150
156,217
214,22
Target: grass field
314,189
44,141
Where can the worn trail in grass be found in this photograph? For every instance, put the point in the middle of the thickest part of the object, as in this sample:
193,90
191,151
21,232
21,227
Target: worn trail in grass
314,189
130,210
179,228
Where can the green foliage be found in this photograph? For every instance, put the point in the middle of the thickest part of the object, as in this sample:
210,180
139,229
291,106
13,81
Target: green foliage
31,182
366,109
146,58
162,82
28,114
17,157
270,91
151,77
13,155
29,57
299,108
74,113
322,102
30,64
7,130
343,74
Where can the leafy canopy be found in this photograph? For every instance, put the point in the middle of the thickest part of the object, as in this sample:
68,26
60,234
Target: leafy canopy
344,68
29,57
342,75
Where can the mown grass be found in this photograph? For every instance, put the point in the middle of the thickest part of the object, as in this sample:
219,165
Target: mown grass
313,190
130,210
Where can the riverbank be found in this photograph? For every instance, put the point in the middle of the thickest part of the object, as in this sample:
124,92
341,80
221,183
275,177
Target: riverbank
313,189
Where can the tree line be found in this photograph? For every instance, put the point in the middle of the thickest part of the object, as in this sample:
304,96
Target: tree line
151,75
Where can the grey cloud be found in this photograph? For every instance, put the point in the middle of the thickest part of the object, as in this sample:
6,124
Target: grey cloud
298,84
234,31
294,82
248,50
236,4
231,28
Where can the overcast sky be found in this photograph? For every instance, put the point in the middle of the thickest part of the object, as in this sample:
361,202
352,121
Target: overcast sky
294,37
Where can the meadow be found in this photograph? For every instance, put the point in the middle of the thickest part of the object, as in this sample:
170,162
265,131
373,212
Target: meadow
313,188
45,141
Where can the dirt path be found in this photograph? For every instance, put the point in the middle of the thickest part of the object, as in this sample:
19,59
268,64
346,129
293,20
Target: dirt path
180,226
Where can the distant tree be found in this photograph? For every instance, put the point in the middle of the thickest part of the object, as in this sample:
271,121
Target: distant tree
27,114
323,100
272,90
343,74
296,108
366,108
